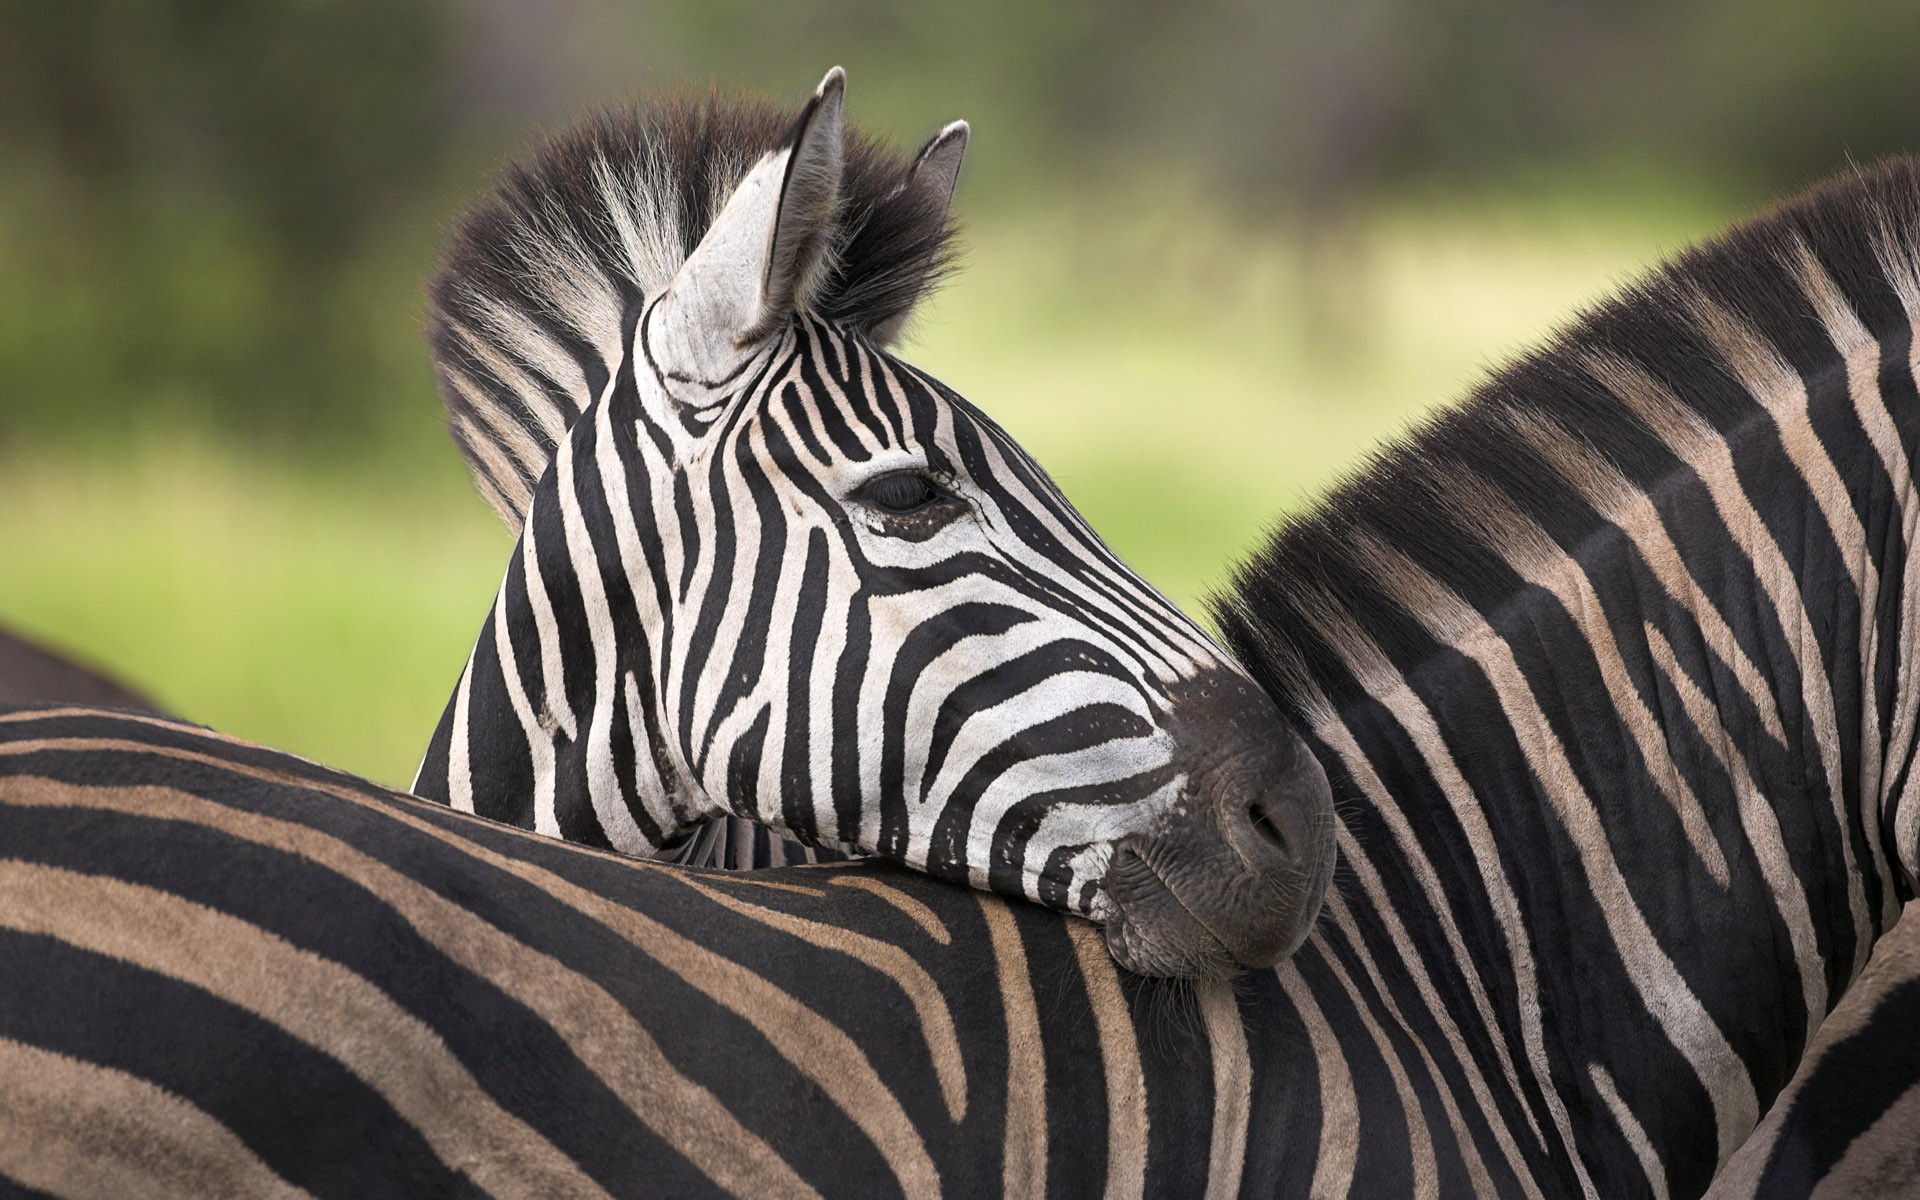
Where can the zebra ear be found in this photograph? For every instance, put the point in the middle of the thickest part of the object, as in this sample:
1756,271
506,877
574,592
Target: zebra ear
936,169
937,166
760,261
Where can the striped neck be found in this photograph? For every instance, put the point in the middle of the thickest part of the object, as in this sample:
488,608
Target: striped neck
1673,923
555,725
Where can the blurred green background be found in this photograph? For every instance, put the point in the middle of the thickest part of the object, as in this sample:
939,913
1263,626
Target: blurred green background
1216,250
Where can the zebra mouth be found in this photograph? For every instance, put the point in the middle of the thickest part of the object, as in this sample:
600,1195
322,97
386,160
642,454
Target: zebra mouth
1233,877
1150,931
1233,874
1176,913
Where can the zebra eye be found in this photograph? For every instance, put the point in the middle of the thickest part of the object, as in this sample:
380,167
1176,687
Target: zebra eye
902,492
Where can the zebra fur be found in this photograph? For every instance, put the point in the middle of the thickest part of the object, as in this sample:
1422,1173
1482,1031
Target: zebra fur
1612,670
1845,1124
526,311
230,972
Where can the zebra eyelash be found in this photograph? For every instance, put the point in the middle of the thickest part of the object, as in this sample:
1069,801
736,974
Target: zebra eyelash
944,505
893,494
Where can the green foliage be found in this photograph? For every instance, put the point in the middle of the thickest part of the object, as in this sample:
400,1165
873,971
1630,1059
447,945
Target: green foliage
193,193
224,207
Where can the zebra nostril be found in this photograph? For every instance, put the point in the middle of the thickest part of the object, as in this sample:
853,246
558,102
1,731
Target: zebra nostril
1261,818
1278,824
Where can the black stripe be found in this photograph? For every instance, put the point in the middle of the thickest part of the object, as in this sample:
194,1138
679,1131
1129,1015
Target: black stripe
311,1121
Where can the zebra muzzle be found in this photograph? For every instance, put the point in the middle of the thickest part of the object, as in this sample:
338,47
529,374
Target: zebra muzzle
1233,876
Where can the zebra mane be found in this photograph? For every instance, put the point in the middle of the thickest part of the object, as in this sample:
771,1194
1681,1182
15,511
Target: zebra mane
1559,443
525,311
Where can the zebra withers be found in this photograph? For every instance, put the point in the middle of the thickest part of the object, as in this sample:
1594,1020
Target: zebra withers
768,570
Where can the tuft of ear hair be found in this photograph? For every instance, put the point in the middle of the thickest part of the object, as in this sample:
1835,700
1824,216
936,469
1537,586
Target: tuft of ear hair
528,309
938,163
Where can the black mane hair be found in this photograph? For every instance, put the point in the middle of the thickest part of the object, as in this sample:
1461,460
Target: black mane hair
524,310
1862,229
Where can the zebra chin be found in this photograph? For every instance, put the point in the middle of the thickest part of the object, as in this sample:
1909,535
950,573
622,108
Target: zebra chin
1232,877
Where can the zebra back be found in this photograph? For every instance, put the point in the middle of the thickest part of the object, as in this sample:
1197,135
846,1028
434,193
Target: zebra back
227,971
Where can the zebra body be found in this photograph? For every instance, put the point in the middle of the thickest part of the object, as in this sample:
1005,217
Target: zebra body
766,570
229,972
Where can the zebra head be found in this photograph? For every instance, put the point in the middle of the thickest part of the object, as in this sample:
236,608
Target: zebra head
772,571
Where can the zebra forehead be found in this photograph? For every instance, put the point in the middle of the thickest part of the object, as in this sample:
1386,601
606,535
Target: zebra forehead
529,304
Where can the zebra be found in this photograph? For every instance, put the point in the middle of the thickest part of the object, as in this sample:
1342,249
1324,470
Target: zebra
1607,670
1652,425
767,570
1620,654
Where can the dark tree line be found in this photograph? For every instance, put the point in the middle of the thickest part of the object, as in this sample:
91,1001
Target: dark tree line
221,207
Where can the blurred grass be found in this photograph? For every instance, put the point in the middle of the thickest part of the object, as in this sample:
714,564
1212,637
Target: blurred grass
1175,372
323,612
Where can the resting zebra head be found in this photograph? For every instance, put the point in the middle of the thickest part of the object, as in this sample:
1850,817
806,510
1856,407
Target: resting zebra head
766,569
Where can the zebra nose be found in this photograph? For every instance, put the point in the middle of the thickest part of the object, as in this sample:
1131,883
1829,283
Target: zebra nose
1273,818
1233,877
1263,788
